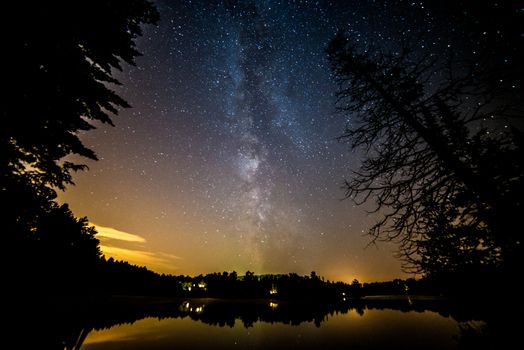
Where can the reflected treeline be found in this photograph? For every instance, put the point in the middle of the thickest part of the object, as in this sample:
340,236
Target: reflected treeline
66,326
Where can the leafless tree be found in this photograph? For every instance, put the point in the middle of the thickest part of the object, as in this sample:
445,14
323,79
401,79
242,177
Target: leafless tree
447,182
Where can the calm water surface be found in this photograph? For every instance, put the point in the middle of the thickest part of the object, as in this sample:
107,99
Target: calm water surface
372,329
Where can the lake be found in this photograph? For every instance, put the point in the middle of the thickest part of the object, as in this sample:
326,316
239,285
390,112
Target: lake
212,324
157,323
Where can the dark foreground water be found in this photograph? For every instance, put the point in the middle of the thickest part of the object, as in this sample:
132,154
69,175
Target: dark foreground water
160,323
375,329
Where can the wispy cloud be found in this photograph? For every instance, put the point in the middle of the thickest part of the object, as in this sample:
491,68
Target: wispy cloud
112,233
132,248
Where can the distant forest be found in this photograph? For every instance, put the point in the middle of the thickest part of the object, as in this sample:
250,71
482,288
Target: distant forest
119,277
113,277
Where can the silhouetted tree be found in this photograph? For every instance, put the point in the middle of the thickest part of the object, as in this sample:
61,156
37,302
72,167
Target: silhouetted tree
57,67
448,183
355,289
61,255
59,61
249,276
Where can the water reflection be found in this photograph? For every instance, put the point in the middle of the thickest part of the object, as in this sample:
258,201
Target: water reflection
134,323
344,331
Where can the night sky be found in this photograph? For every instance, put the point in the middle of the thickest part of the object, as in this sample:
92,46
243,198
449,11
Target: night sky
228,159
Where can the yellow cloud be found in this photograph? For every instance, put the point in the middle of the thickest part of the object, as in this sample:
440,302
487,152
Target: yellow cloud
112,233
130,247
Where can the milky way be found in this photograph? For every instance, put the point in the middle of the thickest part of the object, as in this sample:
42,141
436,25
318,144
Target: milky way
267,114
228,158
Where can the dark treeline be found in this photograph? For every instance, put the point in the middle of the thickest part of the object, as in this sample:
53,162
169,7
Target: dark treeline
107,277
283,286
114,277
